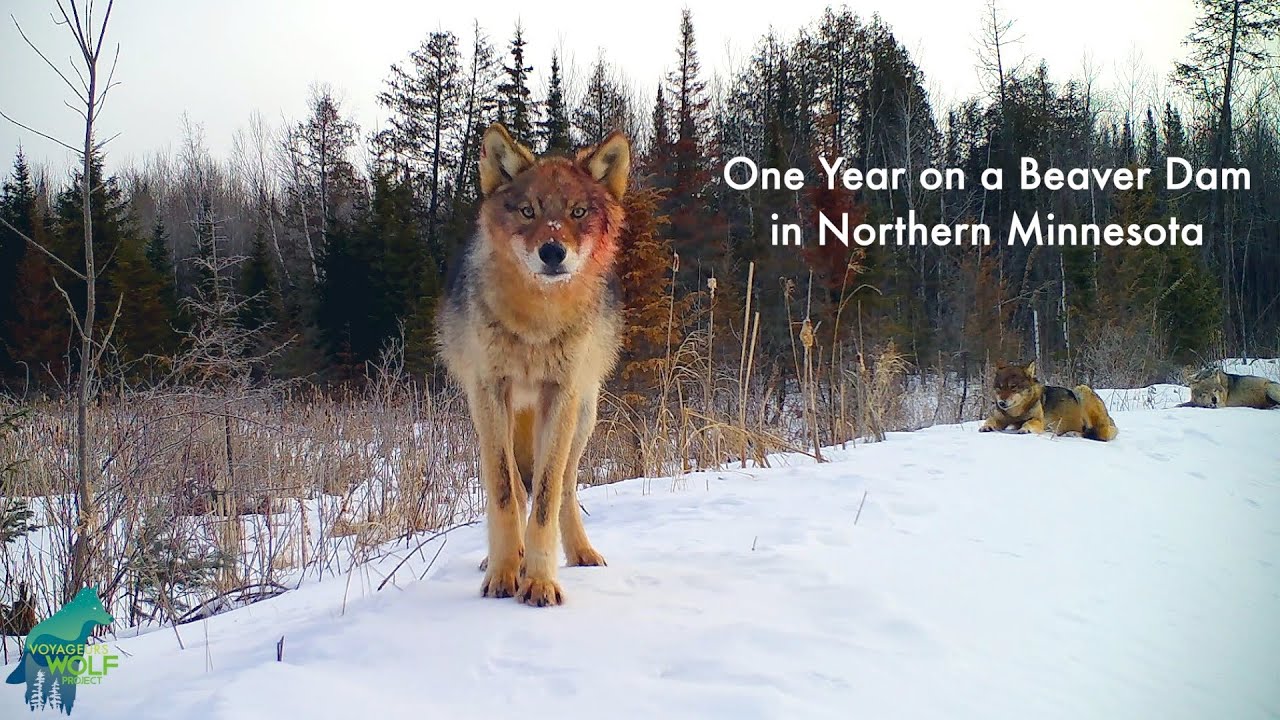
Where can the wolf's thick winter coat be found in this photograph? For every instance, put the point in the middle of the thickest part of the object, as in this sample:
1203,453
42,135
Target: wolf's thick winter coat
531,328
1029,406
1214,388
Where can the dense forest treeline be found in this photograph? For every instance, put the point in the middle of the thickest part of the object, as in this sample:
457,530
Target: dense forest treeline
320,262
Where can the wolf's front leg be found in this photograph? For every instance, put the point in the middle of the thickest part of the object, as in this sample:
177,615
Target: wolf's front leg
577,548
992,424
503,508
1034,425
558,419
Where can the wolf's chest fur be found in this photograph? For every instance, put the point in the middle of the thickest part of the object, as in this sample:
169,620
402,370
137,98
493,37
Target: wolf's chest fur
504,330
529,360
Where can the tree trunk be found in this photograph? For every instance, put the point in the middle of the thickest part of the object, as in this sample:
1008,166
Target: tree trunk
84,472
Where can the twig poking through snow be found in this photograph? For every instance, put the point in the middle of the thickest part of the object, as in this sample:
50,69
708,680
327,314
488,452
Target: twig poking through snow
442,533
280,650
864,502
433,559
753,543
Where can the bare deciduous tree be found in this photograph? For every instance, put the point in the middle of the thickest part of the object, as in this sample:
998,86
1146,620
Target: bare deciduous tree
91,93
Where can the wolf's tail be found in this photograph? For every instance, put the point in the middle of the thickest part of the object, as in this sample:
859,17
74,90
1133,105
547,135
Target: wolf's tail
1098,424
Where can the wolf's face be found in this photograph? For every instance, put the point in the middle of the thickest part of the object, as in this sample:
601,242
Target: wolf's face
556,218
1015,387
1209,390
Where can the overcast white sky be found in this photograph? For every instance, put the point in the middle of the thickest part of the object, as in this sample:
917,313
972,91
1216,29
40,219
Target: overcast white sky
219,60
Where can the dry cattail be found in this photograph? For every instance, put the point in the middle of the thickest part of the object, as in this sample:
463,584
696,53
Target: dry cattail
806,333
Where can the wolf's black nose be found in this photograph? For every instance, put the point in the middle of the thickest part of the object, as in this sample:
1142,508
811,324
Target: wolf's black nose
551,253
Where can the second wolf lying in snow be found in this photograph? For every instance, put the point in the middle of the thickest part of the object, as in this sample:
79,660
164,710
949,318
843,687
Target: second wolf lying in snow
1030,406
530,328
1213,388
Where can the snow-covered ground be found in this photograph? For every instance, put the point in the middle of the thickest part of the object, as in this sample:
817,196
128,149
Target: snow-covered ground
941,574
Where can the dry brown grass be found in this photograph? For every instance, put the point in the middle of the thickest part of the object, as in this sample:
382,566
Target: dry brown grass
290,483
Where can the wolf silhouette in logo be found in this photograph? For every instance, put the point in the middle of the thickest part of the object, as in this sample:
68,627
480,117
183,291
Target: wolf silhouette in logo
55,639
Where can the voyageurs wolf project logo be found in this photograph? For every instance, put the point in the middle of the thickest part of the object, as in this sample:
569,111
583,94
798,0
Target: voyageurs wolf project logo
56,659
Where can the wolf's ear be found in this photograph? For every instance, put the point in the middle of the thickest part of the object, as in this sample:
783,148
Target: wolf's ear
1222,378
1001,364
609,162
501,159
1030,368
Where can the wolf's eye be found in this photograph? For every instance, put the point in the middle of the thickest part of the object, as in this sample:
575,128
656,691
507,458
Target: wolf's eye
578,213
527,211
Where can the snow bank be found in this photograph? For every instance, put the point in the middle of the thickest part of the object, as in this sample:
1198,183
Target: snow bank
940,574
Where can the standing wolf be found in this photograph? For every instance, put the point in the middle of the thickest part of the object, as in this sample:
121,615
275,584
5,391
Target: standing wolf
1030,406
531,328
1213,388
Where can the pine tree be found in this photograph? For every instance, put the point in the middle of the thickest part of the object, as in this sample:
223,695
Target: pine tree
55,697
660,140
420,325
1151,157
258,288
36,698
158,248
17,207
515,99
40,329
479,110
690,106
554,129
698,232
347,300
427,117
1128,145
321,183
604,106
162,271
126,279
392,225
1228,40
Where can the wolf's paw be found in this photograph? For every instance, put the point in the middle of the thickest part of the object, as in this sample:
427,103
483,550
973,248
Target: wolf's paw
986,428
500,584
1023,431
484,564
586,557
539,592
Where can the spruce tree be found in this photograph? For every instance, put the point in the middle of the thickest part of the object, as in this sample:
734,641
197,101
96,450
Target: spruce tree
40,329
161,263
554,130
347,298
126,279
427,134
698,231
660,140
603,108
258,287
515,97
17,207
